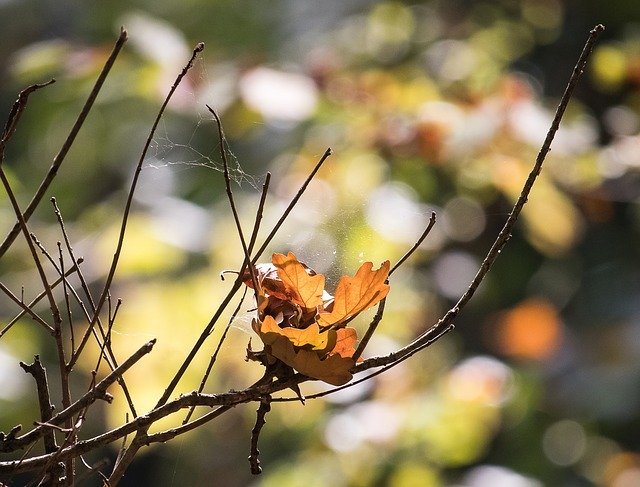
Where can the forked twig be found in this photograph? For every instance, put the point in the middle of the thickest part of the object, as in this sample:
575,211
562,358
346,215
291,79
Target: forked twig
27,308
232,204
290,206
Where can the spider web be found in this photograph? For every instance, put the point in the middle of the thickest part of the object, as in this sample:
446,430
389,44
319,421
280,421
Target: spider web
182,142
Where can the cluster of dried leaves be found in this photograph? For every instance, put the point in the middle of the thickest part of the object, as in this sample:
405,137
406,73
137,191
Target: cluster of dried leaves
304,326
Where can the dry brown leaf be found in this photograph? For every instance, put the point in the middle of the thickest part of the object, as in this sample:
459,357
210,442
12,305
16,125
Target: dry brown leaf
334,369
357,293
303,289
346,339
310,338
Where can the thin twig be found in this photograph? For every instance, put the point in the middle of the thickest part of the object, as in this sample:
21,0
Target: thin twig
67,303
59,158
98,392
26,309
37,370
16,112
256,223
214,357
432,222
234,211
254,455
290,206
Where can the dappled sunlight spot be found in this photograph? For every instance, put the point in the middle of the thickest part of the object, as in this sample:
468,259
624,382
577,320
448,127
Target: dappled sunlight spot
620,120
529,122
464,219
393,211
173,312
453,271
358,173
620,156
553,223
413,474
545,14
12,385
609,66
39,60
564,442
453,433
156,39
318,204
497,476
278,95
576,137
144,252
220,85
436,121
390,28
599,452
504,40
451,60
482,379
181,223
373,422
531,330
166,47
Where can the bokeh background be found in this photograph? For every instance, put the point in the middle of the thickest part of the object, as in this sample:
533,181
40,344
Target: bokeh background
428,106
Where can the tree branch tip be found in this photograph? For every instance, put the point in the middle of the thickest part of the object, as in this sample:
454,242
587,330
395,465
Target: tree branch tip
598,28
199,47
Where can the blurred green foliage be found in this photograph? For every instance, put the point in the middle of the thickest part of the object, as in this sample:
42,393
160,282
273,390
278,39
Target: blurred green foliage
433,105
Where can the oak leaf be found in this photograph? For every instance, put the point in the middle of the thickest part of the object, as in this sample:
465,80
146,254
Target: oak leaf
302,325
357,293
310,338
333,369
302,288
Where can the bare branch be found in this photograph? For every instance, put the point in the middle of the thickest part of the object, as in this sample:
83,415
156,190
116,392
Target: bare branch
261,413
27,308
16,112
290,206
39,374
98,392
59,158
432,222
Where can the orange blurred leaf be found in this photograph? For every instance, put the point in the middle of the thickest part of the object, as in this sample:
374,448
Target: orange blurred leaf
357,293
531,330
301,288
